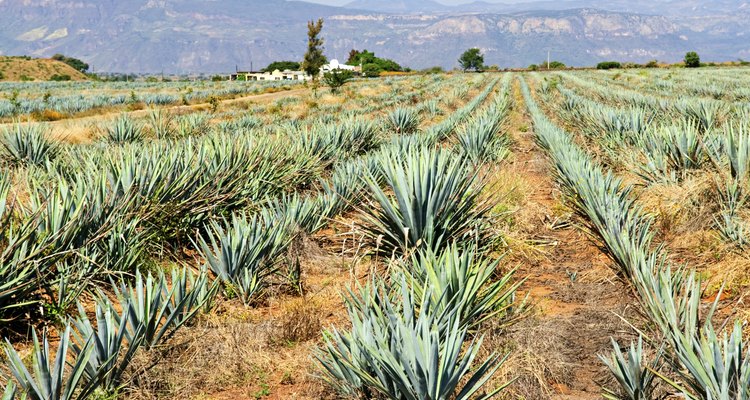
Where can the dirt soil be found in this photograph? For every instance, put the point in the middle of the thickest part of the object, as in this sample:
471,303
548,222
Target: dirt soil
578,299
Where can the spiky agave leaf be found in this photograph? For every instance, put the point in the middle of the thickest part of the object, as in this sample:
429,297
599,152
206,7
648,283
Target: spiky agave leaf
398,350
464,282
631,372
435,202
9,393
115,344
124,130
50,380
28,145
244,251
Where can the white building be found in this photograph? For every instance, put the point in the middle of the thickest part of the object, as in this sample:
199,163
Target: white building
276,75
334,64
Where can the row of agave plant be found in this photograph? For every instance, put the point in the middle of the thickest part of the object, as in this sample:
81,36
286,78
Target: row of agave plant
693,359
68,99
94,211
243,252
139,318
706,113
415,332
719,84
670,152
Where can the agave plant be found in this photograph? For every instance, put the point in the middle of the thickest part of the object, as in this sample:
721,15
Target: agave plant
737,150
636,379
114,343
462,283
28,145
19,277
435,202
401,353
480,141
50,380
195,124
9,393
715,368
161,123
156,310
704,113
403,121
124,130
244,252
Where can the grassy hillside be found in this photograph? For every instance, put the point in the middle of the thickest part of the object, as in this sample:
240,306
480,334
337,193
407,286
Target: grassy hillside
38,69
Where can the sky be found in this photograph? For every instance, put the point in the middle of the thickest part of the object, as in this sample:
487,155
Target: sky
449,2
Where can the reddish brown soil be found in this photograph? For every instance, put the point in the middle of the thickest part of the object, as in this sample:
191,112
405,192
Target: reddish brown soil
578,299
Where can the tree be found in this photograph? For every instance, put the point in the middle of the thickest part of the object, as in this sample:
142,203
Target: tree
692,60
75,63
353,57
314,58
608,65
365,57
554,65
472,59
371,70
281,66
337,78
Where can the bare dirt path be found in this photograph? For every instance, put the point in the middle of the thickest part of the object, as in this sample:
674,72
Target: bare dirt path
75,128
577,297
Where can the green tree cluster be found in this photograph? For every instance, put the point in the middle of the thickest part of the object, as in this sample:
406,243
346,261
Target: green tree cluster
553,65
608,65
692,60
281,66
372,66
472,59
77,64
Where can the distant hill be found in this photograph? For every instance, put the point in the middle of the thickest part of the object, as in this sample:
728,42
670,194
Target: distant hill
399,6
183,36
38,69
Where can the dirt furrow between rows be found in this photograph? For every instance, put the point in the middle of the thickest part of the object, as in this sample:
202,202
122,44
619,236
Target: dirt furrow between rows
578,302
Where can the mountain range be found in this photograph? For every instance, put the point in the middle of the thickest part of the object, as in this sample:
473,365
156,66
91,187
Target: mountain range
181,36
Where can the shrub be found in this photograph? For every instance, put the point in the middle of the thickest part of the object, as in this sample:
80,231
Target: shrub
692,60
59,78
433,70
608,65
554,65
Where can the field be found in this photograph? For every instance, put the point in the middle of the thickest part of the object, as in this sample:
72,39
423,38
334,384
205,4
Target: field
544,235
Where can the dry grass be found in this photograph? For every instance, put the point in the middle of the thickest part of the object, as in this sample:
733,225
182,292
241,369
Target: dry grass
37,69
